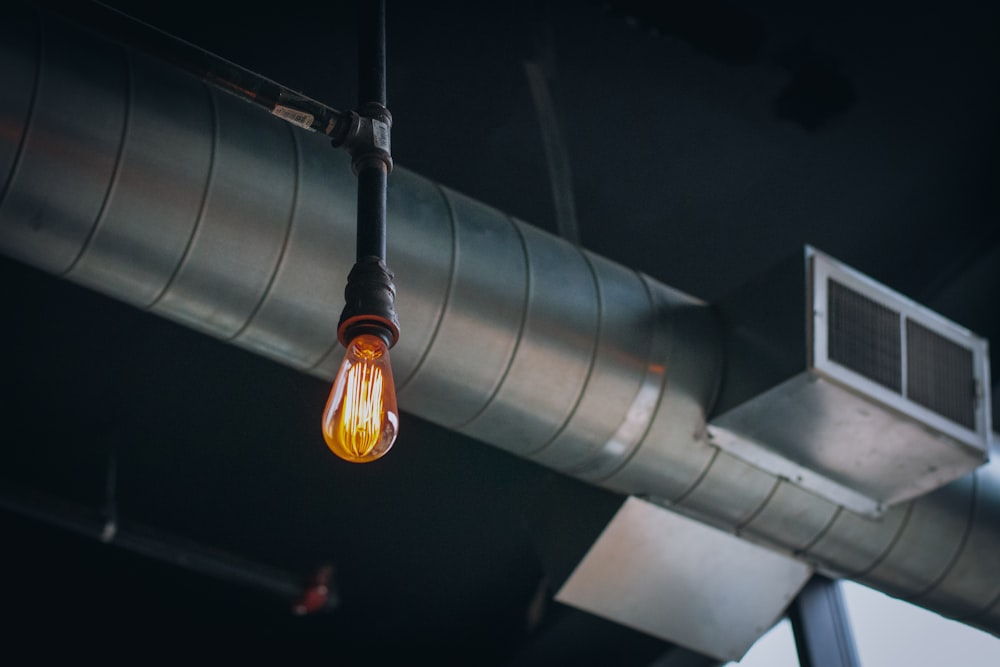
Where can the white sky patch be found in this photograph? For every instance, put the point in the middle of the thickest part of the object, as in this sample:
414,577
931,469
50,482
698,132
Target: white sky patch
888,633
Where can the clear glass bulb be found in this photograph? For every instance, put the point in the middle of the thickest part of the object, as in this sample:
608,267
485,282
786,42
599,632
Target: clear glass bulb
361,420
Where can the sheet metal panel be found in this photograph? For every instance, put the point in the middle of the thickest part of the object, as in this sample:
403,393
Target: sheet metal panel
619,399
730,492
927,544
166,150
298,313
972,582
682,581
674,454
854,543
68,149
480,327
792,517
547,373
238,240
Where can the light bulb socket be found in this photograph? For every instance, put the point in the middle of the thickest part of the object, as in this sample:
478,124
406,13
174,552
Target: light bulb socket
369,298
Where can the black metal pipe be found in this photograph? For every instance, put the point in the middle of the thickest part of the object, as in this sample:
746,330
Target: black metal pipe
249,86
371,52
372,173
370,292
157,545
372,182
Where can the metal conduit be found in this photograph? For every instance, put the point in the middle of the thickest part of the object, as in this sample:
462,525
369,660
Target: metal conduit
139,181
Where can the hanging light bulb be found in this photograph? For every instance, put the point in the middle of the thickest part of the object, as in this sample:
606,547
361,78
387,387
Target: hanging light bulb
361,420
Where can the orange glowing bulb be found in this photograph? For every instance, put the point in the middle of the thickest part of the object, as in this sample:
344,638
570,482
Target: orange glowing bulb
361,420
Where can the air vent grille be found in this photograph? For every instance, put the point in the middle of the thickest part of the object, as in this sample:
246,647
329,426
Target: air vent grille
892,402
940,375
864,336
900,351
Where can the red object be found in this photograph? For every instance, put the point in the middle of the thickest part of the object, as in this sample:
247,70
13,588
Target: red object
316,595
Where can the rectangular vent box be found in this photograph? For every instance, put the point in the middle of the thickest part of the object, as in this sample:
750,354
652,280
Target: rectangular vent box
847,388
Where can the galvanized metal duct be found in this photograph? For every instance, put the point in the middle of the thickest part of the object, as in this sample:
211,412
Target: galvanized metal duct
136,180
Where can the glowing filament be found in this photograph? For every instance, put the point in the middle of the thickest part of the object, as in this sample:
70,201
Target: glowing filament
361,420
360,424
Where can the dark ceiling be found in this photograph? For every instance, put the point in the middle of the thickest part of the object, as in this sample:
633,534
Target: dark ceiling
699,142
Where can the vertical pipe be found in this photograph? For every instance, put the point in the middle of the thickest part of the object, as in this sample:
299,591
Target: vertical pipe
372,174
371,52
823,636
372,182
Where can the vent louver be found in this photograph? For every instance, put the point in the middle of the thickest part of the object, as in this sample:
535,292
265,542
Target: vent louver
864,336
940,375
892,402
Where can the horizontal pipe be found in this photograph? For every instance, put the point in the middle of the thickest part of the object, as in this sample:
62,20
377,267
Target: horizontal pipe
156,545
162,192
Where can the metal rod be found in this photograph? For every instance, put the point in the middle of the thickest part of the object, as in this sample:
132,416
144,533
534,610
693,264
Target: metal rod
372,174
372,182
154,544
371,52
823,636
229,77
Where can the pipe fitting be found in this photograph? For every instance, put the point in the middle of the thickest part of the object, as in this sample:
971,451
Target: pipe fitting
366,136
370,296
